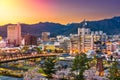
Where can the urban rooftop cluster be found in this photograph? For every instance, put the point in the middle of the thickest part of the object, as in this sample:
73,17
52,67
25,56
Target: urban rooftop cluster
87,55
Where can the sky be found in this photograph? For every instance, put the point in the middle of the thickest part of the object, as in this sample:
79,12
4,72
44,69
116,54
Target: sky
58,11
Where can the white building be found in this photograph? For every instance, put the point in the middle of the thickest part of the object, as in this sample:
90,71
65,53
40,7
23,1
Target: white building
84,40
2,44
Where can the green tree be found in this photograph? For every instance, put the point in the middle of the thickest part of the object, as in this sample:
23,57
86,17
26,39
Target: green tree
24,49
39,51
80,64
49,66
114,71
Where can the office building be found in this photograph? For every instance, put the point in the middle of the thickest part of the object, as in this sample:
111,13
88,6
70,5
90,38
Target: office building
45,36
30,40
14,34
85,39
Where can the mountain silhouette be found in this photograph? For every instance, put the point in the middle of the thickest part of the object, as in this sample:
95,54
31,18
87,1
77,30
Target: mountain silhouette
110,26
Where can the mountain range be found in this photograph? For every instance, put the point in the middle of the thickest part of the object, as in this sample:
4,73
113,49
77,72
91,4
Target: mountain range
110,26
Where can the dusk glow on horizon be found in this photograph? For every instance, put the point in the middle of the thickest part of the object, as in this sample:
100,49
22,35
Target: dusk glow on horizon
58,11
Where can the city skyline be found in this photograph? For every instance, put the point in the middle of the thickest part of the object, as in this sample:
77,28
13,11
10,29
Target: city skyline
59,40
58,11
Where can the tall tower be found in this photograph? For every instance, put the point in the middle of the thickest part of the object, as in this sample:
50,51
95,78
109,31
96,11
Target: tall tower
14,34
83,37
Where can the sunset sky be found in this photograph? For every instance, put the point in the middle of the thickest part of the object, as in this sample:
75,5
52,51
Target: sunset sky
58,11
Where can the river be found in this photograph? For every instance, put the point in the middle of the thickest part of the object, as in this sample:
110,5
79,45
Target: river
9,78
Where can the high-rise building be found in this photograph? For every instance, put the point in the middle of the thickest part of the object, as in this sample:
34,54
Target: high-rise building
14,34
85,39
45,36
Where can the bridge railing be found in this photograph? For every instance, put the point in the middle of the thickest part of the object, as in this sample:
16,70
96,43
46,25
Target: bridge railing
22,56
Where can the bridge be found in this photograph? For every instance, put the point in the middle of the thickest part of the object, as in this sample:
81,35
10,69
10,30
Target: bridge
16,57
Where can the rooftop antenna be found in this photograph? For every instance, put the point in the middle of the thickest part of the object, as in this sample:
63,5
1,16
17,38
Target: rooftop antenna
84,23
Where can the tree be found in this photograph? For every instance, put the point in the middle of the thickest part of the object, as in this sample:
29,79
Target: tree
80,64
24,49
49,66
114,71
39,51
